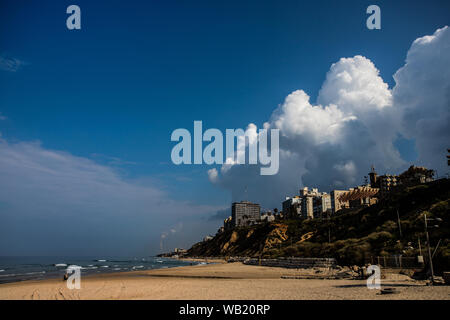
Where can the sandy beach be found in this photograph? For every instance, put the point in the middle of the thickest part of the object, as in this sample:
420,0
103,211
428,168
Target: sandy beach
218,281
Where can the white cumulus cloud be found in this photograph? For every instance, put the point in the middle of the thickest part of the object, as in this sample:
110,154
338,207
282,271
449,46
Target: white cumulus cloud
354,123
422,95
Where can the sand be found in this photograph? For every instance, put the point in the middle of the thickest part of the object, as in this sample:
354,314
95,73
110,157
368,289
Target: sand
218,281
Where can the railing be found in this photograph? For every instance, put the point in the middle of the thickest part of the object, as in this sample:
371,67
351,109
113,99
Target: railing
395,261
293,262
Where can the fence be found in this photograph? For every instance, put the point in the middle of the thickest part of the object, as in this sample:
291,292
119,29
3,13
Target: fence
293,262
396,261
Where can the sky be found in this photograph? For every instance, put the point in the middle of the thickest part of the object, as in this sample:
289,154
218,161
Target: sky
86,115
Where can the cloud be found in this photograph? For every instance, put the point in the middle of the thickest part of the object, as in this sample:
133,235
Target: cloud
55,203
111,161
354,84
11,64
165,234
221,214
213,175
354,123
422,95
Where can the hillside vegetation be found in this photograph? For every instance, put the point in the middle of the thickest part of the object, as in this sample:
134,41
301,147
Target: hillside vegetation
355,235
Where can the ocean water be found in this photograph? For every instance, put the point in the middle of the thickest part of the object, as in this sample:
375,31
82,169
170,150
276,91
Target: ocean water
14,269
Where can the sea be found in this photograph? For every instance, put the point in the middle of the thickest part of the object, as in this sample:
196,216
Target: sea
13,269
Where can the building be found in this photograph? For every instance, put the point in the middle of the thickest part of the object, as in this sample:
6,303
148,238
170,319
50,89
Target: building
411,177
325,206
267,217
361,196
227,224
321,205
207,238
292,207
245,213
416,175
373,178
309,204
314,204
336,203
385,183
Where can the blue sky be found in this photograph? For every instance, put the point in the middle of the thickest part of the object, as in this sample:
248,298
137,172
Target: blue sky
137,70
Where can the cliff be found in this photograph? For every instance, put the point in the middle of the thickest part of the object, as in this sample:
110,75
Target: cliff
355,235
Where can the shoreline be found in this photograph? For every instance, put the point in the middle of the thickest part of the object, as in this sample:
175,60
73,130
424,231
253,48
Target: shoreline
219,281
58,275
207,260
119,273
